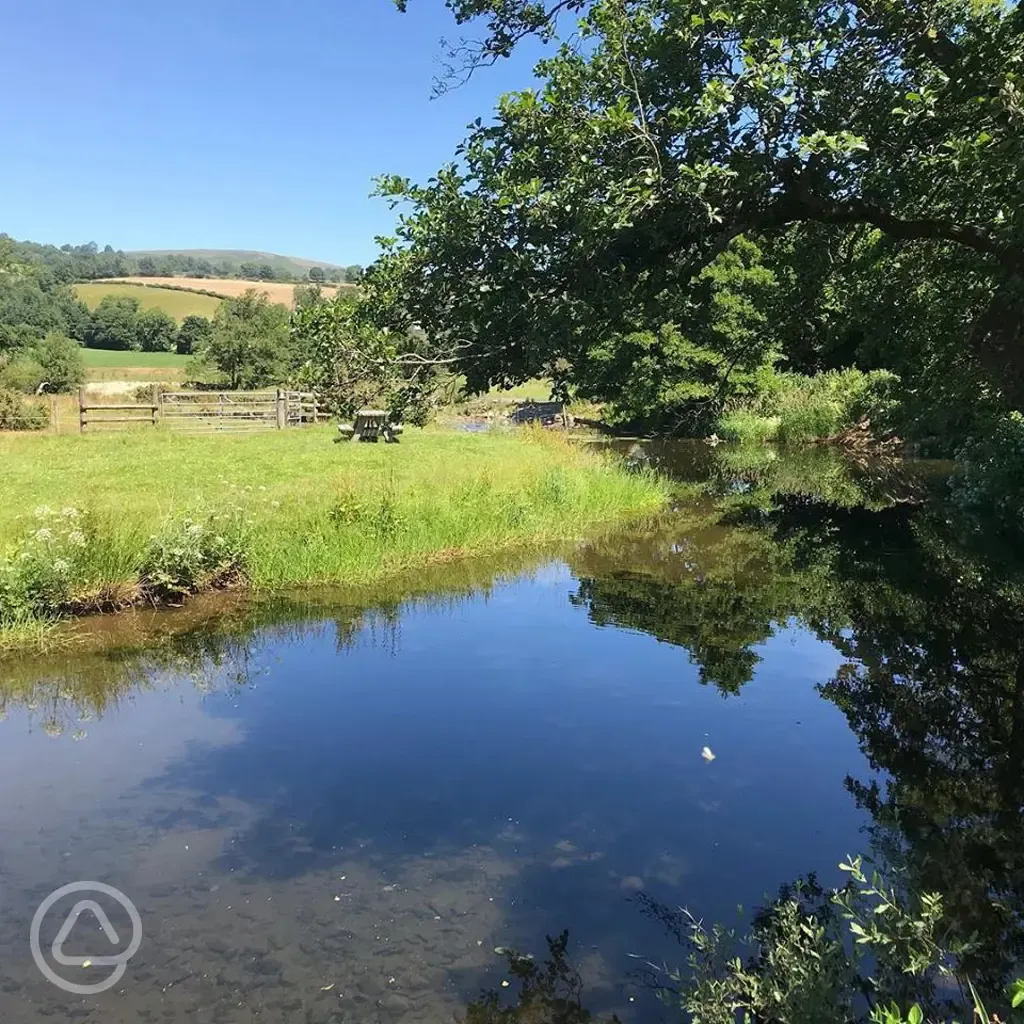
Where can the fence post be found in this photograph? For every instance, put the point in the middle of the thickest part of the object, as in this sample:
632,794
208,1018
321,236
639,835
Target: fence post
157,401
81,410
280,404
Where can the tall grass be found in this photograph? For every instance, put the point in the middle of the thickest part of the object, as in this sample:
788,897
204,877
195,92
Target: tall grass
793,409
150,515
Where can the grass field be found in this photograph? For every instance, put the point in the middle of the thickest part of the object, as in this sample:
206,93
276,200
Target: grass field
160,367
226,286
285,508
98,357
175,303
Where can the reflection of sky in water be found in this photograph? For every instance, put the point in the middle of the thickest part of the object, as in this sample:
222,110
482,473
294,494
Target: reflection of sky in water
501,762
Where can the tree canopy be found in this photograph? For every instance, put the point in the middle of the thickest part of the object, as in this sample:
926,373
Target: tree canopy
664,131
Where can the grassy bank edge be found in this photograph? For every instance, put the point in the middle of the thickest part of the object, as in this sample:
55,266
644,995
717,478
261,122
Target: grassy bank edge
370,530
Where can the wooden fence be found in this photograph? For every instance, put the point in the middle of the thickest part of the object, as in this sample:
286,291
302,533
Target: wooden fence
205,411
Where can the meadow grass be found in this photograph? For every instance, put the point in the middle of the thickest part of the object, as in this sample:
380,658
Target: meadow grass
747,427
178,304
294,509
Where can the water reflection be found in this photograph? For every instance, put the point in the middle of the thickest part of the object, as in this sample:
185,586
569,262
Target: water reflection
335,809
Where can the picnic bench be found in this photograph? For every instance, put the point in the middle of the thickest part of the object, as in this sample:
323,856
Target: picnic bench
548,414
370,425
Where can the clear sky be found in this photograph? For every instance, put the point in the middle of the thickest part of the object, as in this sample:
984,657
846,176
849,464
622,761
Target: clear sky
224,124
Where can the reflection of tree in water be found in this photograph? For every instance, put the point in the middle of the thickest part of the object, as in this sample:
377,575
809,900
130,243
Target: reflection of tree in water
933,633
934,689
718,586
548,993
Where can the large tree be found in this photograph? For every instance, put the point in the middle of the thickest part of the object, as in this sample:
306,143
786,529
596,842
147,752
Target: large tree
666,129
113,324
249,340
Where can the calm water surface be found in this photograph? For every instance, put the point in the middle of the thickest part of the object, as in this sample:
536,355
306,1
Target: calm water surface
337,812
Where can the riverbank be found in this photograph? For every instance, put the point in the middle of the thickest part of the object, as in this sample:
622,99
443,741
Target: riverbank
110,521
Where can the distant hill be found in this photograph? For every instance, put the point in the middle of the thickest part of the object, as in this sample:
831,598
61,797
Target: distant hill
282,264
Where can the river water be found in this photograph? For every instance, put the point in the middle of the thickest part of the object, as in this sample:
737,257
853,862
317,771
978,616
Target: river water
335,807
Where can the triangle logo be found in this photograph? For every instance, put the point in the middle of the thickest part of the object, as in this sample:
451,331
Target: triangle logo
66,928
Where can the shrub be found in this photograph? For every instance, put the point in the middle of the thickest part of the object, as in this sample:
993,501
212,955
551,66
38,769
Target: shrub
792,408
194,554
989,484
22,373
816,955
37,578
17,414
61,361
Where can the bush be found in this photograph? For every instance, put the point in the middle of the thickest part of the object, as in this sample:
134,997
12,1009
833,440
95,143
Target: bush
37,578
22,372
791,408
989,484
191,555
17,414
816,955
61,361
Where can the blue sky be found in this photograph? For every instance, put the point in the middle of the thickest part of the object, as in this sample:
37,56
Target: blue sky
223,124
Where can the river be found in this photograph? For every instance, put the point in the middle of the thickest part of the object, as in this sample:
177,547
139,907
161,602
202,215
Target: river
335,807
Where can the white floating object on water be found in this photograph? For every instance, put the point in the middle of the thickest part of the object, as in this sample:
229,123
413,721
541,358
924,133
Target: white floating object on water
504,984
327,988
707,755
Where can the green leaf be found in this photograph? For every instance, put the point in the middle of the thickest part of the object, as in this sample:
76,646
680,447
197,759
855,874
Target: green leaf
915,1016
1017,993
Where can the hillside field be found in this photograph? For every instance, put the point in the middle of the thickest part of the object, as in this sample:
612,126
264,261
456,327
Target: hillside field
227,286
178,304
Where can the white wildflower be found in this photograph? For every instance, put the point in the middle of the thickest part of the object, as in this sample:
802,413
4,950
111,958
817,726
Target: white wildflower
70,512
43,533
42,511
77,538
61,565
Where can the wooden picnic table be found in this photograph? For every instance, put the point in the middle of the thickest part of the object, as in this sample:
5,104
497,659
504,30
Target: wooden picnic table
371,425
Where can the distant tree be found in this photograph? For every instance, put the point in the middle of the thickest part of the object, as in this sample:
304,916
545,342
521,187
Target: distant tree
266,272
353,274
250,338
14,337
112,324
61,361
24,304
317,275
147,266
249,271
194,334
156,331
